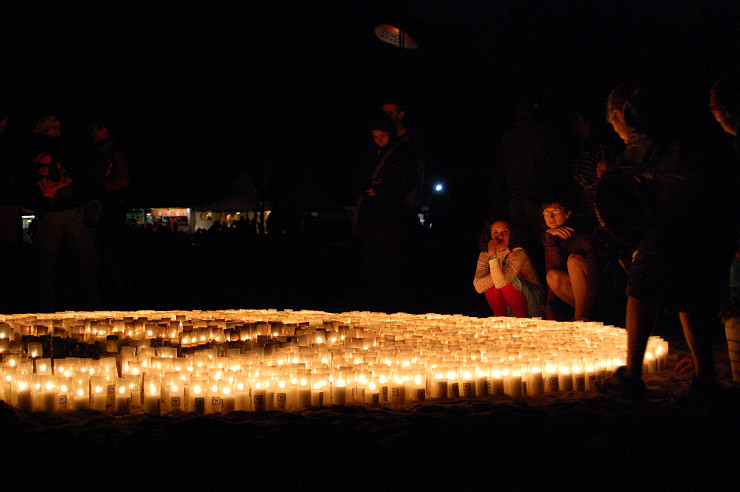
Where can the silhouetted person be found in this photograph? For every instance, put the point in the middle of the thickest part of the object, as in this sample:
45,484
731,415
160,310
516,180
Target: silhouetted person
383,219
111,185
677,192
724,103
11,232
57,192
530,169
414,145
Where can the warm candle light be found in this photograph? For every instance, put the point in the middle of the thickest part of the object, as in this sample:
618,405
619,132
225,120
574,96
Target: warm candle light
304,357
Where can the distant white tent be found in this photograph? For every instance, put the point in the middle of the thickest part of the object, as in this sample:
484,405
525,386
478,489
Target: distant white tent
242,198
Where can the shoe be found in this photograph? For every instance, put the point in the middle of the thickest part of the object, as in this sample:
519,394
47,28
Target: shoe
621,386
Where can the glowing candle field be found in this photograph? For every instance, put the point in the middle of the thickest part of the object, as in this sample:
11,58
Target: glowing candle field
258,360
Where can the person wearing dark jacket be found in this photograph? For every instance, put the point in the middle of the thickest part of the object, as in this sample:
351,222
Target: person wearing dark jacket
570,259
383,220
57,193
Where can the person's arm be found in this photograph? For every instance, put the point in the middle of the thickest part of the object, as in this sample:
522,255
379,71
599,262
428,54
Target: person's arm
503,274
520,262
489,272
553,252
482,280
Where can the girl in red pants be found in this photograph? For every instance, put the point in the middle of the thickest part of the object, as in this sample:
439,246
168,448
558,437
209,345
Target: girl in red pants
505,274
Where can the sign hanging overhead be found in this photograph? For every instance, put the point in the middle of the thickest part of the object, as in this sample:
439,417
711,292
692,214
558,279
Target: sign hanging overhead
396,37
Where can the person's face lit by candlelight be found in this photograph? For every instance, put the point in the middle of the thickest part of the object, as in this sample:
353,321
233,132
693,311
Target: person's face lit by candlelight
500,236
381,137
555,215
616,118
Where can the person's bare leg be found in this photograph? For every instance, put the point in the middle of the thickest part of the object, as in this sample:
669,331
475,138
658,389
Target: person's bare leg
639,325
700,343
559,283
577,272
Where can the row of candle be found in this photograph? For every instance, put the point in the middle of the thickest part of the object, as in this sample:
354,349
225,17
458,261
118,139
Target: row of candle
264,360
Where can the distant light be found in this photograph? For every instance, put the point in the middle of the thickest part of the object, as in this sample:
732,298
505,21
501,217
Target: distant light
439,187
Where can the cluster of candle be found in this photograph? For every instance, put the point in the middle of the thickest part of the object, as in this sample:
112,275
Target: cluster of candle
258,360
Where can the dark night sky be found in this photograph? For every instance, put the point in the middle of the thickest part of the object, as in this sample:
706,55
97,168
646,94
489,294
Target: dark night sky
282,88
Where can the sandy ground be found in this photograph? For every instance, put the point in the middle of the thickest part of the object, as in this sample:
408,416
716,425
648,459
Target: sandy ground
578,440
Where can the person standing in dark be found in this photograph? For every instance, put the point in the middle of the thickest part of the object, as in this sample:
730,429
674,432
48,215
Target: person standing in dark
587,166
57,191
383,219
413,141
531,168
673,190
724,103
111,185
10,216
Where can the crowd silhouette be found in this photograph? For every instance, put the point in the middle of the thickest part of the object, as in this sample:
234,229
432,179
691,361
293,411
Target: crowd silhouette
82,255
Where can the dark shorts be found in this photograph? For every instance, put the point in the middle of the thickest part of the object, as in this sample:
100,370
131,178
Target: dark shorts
671,268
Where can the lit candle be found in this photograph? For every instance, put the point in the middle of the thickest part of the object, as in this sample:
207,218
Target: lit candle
438,385
317,394
269,394
661,353
481,382
650,365
303,394
258,397
99,393
197,396
43,366
579,376
135,384
241,394
468,382
123,396
372,393
418,387
512,382
453,384
64,393
48,394
175,397
398,391
497,382
565,377
35,350
591,376
81,395
551,378
152,389
536,383
282,392
339,391
384,386
228,401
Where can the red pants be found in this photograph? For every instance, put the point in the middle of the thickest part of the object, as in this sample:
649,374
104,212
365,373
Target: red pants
498,299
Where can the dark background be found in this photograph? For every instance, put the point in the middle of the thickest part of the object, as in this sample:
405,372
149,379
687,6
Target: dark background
204,88
281,90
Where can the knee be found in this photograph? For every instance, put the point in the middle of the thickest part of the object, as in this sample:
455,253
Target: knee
554,278
576,262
